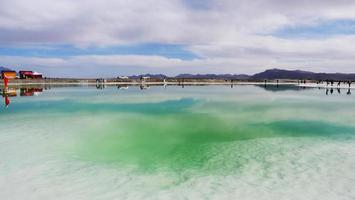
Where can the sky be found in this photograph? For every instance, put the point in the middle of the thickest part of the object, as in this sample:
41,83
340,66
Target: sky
107,38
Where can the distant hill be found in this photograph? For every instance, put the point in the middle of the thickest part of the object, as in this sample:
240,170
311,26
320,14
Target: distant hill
266,75
195,76
214,76
297,74
157,76
4,69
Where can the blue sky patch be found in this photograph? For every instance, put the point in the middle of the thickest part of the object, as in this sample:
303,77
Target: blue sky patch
199,4
165,50
322,29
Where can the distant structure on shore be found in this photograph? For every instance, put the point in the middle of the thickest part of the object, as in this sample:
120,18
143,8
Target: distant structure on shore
10,74
30,75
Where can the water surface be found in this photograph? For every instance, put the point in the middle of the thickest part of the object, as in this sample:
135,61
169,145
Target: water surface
192,142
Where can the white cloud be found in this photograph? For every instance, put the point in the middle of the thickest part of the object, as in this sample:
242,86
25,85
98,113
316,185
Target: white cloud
91,22
228,35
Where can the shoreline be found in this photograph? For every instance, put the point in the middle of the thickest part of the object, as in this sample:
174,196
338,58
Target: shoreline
60,81
325,86
149,83
112,82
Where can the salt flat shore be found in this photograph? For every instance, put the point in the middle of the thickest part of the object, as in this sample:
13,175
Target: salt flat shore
68,82
19,82
324,85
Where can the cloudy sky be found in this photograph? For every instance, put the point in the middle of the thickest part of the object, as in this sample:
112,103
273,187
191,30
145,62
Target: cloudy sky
94,38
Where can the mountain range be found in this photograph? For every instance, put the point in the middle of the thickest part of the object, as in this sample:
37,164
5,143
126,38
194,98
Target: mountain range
214,76
266,75
297,74
270,74
4,69
195,76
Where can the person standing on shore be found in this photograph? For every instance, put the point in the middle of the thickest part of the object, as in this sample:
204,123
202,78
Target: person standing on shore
6,84
6,81
7,100
349,82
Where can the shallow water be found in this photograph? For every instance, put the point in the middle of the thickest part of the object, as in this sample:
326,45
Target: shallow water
196,142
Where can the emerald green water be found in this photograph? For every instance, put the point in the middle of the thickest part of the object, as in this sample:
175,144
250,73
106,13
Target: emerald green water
193,142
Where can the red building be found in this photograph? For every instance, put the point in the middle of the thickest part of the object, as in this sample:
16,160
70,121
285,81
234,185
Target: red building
30,75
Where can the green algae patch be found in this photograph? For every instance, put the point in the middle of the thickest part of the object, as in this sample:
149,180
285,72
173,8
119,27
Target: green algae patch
173,142
181,142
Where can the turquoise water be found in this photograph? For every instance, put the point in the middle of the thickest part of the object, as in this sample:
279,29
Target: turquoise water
196,142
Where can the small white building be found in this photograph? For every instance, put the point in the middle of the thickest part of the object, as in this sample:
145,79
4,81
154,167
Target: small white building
123,77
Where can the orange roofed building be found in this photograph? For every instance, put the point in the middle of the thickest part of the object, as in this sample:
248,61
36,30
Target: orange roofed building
8,74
